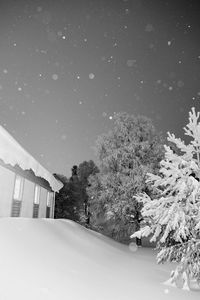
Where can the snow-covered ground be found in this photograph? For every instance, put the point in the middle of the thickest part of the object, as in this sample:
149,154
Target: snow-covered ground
58,259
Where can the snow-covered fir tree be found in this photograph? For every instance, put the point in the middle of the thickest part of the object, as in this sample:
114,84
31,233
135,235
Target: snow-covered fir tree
173,214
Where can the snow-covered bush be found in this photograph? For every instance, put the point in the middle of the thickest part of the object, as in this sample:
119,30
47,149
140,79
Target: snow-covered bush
173,215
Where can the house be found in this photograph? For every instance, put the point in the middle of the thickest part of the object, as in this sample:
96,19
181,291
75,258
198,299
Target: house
27,189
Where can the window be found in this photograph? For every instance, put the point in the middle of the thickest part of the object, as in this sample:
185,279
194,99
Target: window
36,201
18,190
37,195
48,208
17,196
48,199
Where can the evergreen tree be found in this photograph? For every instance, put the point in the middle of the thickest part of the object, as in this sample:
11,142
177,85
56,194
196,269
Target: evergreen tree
125,155
68,204
72,199
173,214
85,169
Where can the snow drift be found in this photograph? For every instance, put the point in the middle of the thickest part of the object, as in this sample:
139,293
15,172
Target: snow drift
58,259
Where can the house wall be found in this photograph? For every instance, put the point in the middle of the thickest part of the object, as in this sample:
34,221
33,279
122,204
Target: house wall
27,199
52,205
7,183
43,203
7,179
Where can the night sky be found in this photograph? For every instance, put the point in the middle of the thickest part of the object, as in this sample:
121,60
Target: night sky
67,66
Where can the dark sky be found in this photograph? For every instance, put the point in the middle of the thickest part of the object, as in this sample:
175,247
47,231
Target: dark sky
67,66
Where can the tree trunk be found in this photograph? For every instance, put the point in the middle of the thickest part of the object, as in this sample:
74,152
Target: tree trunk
137,227
87,214
138,242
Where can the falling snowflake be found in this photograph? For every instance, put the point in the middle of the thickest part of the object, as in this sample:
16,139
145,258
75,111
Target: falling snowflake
19,89
180,83
110,117
133,247
110,59
55,76
169,43
43,51
91,76
149,28
78,77
59,33
23,113
5,71
64,37
170,88
85,40
151,46
131,62
63,137
39,8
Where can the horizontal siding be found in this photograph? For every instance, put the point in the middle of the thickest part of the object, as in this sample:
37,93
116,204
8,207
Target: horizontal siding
48,211
35,210
7,179
16,208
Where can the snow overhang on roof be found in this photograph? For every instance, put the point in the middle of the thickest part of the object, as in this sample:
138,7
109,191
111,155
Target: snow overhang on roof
12,153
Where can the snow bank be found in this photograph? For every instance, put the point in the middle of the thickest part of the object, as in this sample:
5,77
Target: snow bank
58,259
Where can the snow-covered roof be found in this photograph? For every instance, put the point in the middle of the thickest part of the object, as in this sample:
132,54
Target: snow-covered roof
12,153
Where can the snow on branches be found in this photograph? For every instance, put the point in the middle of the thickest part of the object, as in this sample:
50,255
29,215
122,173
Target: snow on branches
173,215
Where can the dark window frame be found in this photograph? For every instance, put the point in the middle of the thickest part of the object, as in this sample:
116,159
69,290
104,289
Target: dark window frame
36,202
17,201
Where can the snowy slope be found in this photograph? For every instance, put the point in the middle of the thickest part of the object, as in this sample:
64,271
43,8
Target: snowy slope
58,259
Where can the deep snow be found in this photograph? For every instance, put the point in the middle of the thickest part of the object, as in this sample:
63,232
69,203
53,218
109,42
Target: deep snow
58,259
